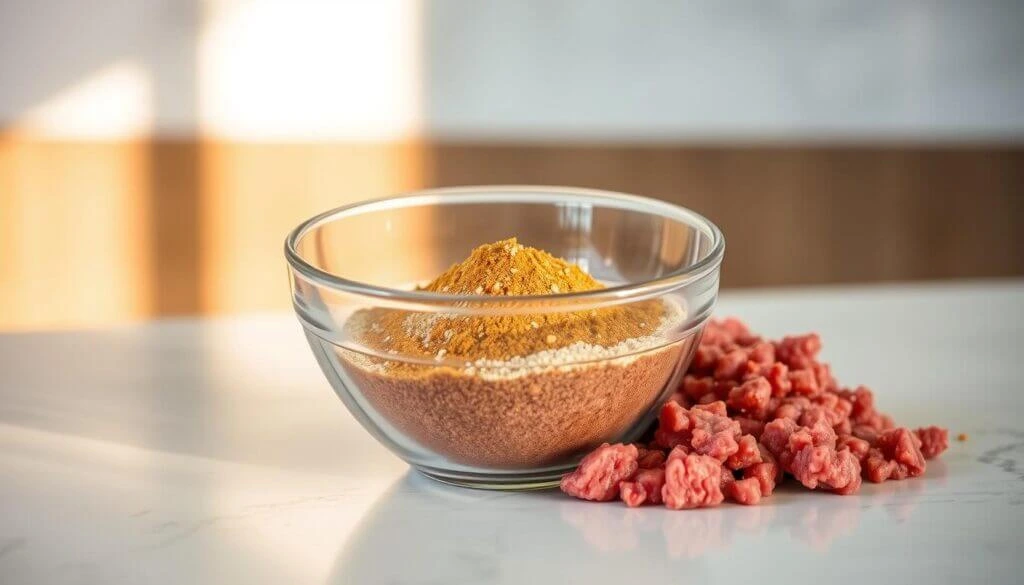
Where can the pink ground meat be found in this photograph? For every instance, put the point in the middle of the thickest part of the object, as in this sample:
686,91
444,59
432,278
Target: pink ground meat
727,478
799,351
859,447
866,433
823,466
834,418
791,407
776,439
861,400
716,408
745,491
705,358
751,397
762,354
748,412
803,382
645,488
934,441
877,468
896,455
809,453
746,455
678,452
600,473
838,408
778,378
818,434
765,475
727,331
826,381
692,481
694,387
699,428
730,365
750,426
650,458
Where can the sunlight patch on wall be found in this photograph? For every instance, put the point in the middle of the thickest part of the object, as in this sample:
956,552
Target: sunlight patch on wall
115,102
309,70
307,106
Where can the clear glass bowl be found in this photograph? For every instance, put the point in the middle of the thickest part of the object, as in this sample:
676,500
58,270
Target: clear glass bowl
518,422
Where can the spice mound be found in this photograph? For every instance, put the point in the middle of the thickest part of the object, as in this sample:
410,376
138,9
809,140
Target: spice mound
749,413
507,268
515,391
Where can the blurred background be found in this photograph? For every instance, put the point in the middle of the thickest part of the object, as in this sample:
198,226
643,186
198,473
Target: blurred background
154,153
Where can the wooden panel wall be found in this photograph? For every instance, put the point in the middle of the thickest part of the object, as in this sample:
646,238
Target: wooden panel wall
802,215
93,233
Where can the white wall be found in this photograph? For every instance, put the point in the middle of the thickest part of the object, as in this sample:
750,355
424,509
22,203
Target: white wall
524,69
710,68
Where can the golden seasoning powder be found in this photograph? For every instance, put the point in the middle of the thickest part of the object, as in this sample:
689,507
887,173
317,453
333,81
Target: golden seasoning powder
506,268
516,391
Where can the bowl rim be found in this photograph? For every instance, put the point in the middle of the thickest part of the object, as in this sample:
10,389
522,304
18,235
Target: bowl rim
483,193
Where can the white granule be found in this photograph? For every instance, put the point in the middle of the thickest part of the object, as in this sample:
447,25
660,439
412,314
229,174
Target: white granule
421,326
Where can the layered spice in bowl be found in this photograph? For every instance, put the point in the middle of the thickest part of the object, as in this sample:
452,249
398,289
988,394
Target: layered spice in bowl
500,364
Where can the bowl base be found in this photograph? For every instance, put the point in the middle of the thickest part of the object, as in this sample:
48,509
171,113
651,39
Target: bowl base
504,482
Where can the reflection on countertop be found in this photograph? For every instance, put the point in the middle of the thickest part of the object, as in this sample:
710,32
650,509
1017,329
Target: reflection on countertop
458,535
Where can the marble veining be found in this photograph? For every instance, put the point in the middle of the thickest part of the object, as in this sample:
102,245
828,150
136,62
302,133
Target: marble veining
211,451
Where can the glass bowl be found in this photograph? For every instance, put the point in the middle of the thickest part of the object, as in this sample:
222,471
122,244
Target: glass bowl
520,421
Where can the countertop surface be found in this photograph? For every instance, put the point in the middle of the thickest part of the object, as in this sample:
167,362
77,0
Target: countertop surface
213,451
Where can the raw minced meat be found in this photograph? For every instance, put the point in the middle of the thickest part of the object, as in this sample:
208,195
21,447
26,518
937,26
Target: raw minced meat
644,488
650,458
727,478
692,481
750,426
822,465
748,412
716,408
776,438
792,407
934,441
744,491
809,453
859,447
762,353
699,428
730,364
800,351
600,473
695,387
766,475
751,397
896,455
746,455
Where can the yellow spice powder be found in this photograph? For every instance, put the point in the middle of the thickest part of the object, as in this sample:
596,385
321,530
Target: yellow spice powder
505,268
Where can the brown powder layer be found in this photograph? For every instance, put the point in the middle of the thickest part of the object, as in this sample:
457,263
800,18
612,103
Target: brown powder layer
538,419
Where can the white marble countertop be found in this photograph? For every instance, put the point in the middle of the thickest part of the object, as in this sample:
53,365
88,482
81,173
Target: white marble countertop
212,451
